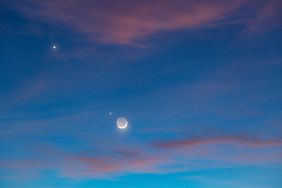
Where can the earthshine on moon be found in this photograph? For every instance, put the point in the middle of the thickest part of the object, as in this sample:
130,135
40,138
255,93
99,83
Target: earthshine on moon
122,123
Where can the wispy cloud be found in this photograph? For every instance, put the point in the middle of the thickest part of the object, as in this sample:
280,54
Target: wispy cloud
158,157
129,21
266,17
218,140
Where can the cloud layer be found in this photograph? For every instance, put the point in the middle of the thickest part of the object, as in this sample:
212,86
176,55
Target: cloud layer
158,157
129,21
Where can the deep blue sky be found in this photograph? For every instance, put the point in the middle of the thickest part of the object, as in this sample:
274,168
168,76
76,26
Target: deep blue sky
199,82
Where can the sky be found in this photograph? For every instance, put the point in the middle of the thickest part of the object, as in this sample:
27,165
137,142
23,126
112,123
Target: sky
198,81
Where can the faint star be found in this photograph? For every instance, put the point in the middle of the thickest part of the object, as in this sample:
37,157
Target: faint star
54,47
110,113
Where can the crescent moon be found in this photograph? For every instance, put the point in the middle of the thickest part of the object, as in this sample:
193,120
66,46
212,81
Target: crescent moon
122,123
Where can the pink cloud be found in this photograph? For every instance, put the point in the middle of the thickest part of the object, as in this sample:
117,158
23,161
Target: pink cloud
175,156
129,21
267,17
190,142
35,88
160,157
29,89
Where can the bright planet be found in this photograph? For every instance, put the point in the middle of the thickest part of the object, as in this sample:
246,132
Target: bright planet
122,123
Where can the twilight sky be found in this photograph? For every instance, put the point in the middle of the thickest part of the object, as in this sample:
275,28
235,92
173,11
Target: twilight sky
198,80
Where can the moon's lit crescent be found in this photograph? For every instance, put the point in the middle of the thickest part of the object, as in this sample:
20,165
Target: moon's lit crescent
122,123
